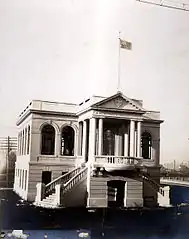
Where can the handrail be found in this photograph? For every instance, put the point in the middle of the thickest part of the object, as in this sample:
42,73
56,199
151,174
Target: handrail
154,184
69,184
60,180
182,179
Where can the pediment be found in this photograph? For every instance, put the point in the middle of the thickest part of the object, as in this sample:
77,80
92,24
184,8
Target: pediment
118,101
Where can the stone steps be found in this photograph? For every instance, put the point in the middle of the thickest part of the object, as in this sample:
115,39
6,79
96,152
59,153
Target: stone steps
49,201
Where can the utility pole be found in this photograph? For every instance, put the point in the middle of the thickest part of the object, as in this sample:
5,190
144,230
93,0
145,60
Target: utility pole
8,151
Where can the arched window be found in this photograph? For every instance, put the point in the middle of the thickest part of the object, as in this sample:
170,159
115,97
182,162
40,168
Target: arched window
67,141
28,144
48,140
146,145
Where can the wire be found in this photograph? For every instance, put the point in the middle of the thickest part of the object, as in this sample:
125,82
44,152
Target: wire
164,3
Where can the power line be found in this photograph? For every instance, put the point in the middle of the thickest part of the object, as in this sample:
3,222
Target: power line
168,4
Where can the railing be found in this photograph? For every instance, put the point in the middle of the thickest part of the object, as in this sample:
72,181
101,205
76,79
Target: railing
154,185
183,179
61,180
116,160
57,158
68,185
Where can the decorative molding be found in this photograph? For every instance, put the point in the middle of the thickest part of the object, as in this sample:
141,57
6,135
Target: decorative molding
99,114
118,102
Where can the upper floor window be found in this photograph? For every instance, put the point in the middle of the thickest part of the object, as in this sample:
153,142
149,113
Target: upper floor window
48,140
67,141
28,144
146,145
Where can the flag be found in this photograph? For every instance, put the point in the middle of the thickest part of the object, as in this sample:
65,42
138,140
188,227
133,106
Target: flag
125,44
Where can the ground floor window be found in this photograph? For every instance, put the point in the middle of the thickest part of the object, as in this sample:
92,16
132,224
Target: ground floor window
46,177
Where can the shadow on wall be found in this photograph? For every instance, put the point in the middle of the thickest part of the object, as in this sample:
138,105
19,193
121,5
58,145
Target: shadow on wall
3,159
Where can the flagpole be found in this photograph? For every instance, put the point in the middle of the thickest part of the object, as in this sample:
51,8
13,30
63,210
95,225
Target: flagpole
118,83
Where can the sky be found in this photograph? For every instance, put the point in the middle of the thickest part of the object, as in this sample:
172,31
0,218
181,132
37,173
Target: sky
67,50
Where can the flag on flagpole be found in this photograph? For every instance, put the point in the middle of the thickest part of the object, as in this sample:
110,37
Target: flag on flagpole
125,44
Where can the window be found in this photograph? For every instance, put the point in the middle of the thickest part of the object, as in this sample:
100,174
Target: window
28,145
67,141
48,140
20,177
25,147
23,143
146,145
22,186
25,179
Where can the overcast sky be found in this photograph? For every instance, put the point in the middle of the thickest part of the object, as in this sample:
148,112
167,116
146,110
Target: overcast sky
66,50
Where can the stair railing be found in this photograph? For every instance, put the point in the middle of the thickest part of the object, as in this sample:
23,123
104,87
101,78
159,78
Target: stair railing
157,187
50,187
74,180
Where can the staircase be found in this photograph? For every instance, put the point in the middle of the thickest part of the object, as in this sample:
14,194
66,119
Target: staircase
154,185
54,192
163,192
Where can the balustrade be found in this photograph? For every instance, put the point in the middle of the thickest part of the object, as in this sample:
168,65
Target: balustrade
75,179
116,160
61,180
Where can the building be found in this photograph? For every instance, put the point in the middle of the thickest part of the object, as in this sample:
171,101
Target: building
102,152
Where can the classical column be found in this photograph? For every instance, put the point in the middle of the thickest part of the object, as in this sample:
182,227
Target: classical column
100,137
135,152
126,146
132,138
57,144
139,139
116,150
120,152
92,137
84,140
80,139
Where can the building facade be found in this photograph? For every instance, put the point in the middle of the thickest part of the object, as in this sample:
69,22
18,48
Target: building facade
99,153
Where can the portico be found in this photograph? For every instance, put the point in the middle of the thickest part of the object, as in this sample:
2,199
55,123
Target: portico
110,138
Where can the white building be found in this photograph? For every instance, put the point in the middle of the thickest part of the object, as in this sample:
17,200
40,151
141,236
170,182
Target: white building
100,153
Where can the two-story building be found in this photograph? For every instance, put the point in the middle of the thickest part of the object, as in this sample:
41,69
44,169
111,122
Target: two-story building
102,152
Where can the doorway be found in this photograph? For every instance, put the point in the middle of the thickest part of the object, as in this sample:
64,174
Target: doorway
116,193
46,177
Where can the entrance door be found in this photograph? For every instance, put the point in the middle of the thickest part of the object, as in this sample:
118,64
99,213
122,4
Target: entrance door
46,177
116,193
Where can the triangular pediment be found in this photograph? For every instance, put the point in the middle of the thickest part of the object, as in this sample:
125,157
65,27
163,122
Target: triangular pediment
118,101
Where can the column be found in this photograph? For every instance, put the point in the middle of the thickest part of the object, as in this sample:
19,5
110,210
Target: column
135,152
92,134
120,152
84,140
126,144
57,144
139,139
100,137
80,139
116,150
132,137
